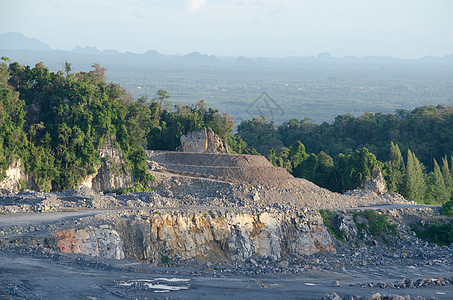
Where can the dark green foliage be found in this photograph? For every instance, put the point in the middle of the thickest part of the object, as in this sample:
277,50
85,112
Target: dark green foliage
12,137
56,122
395,170
440,234
165,259
344,173
172,121
328,217
447,208
437,191
426,131
261,135
355,169
378,224
238,146
414,183
137,188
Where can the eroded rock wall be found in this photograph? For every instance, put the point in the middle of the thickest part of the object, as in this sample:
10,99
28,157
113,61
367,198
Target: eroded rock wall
208,236
14,175
112,173
102,241
203,141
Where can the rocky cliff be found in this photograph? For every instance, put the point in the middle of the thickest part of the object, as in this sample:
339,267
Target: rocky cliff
100,241
111,173
214,236
14,175
203,141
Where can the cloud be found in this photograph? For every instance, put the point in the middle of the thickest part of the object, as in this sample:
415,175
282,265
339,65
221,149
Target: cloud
196,5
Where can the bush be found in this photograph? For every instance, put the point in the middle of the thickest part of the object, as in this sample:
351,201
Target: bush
328,220
439,234
378,223
447,208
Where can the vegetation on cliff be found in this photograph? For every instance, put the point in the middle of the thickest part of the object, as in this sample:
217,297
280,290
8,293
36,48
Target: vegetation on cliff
55,122
350,148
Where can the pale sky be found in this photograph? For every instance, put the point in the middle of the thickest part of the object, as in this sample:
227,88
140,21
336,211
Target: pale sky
397,28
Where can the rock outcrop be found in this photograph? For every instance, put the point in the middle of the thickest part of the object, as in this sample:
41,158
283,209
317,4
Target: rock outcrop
203,141
102,241
112,173
14,175
210,236
223,236
376,183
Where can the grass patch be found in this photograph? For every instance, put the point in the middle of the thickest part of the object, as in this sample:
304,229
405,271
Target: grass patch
378,224
328,220
136,188
447,208
440,234
164,259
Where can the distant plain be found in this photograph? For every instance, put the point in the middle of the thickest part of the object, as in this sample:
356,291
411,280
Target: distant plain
319,88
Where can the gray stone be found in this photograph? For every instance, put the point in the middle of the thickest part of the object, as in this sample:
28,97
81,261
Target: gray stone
203,141
376,183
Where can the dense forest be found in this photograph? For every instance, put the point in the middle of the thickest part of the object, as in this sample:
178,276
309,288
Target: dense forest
55,122
345,152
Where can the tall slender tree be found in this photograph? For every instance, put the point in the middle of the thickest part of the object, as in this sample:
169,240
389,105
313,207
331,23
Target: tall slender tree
414,185
395,169
437,191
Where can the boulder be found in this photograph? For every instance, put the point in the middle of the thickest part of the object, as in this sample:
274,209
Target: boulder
345,223
376,183
14,175
203,141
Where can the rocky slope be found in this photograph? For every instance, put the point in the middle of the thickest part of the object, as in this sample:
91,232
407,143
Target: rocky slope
216,212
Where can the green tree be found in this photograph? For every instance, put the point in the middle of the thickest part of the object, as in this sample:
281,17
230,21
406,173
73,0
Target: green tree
415,185
437,191
395,170
446,174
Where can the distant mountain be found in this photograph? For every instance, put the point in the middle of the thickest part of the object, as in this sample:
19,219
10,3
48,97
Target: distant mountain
197,57
243,60
110,52
324,55
17,41
152,53
86,50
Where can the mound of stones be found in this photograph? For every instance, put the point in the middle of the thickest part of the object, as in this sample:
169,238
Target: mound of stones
233,168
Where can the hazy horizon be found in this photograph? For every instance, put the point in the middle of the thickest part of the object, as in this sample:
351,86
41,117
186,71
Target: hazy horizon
259,28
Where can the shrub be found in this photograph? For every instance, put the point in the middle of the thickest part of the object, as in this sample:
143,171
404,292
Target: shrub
137,188
447,208
328,220
378,223
439,234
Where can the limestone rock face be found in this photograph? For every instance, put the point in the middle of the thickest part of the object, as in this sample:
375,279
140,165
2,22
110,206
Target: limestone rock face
111,174
219,236
204,141
14,175
346,224
100,241
376,183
